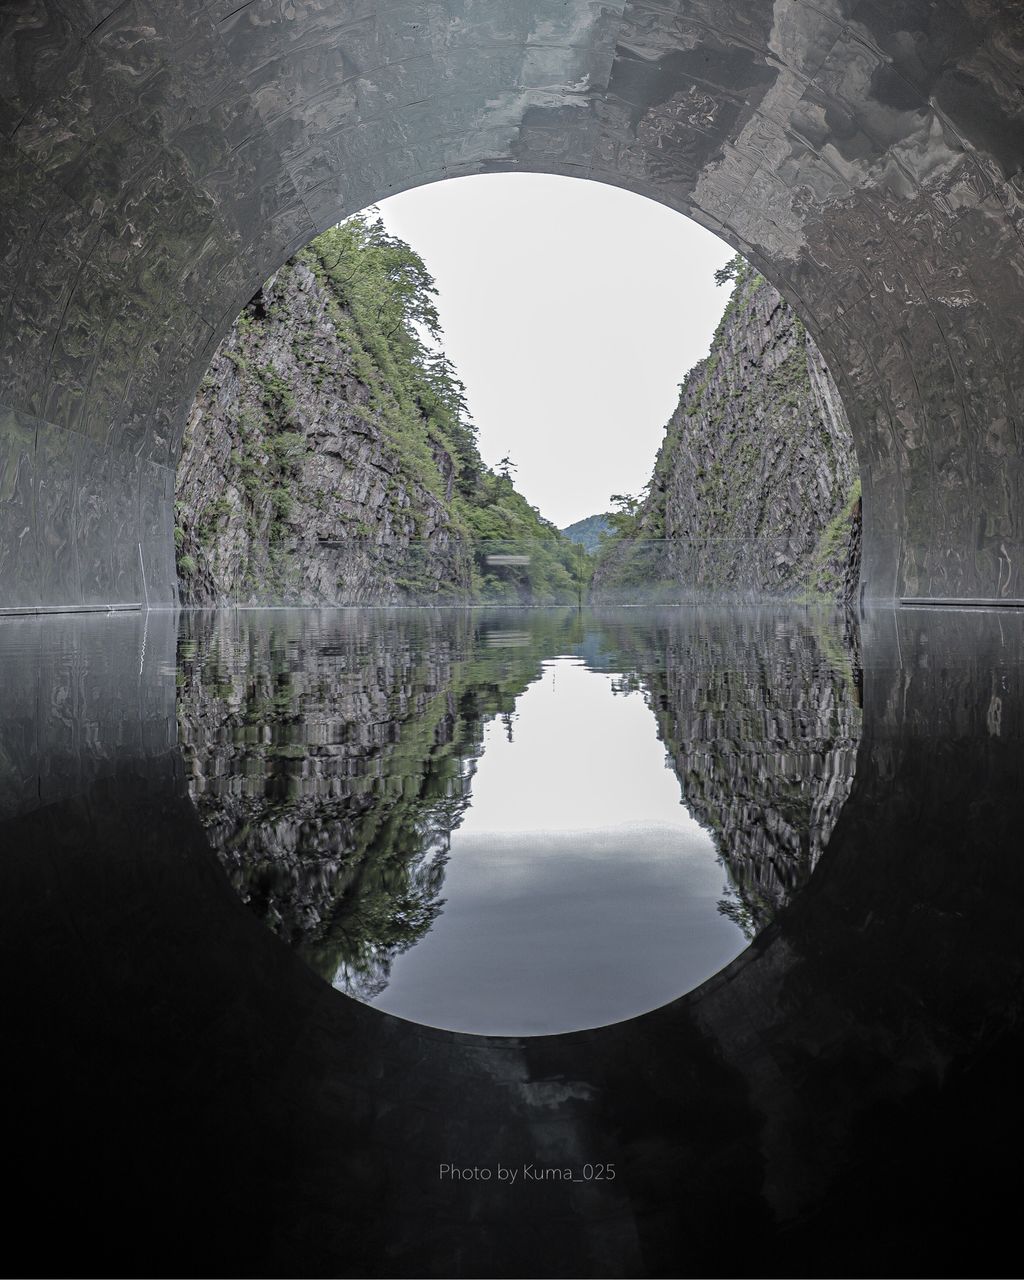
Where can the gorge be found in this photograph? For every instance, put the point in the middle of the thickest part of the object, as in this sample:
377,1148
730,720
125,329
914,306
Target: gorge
755,491
329,458
331,758
208,810
328,455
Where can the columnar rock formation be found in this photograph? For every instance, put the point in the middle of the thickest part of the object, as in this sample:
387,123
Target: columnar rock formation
329,457
290,486
300,481
755,490
760,715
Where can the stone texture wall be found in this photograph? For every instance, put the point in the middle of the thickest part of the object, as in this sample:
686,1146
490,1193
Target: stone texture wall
755,489
867,158
290,487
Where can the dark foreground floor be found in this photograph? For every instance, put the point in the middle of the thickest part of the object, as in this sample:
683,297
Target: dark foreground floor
183,1096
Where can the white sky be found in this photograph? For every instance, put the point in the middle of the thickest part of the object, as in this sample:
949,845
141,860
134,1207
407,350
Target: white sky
579,890
571,311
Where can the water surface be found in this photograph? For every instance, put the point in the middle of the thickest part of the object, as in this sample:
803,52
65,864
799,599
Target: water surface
205,818
517,821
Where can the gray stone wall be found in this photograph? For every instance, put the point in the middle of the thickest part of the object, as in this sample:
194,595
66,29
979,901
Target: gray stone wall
755,491
154,171
758,460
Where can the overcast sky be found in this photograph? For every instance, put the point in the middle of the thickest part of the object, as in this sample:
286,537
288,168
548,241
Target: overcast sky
571,310
579,891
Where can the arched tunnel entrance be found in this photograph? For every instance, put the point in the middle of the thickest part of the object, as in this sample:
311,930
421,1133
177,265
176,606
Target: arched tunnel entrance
184,1086
158,164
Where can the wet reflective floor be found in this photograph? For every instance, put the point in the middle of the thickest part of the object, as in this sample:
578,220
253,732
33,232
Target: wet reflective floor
577,890
488,822
212,822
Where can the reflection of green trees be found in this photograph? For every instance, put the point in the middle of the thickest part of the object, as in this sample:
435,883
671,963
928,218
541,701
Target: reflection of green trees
397,871
634,569
331,762
551,571
331,770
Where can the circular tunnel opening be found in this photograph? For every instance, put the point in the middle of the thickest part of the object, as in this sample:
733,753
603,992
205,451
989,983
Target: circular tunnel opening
389,425
521,863
157,165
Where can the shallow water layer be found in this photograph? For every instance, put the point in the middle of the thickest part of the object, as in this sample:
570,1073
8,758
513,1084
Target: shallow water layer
577,890
170,787
517,822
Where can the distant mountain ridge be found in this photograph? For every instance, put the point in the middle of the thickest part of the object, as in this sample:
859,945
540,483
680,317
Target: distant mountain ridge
587,532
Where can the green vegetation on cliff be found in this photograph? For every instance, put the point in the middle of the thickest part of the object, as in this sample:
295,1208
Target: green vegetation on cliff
330,457
383,306
752,493
384,291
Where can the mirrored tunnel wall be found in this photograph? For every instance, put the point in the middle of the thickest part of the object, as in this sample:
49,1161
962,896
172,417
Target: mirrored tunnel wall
881,1007
82,699
159,162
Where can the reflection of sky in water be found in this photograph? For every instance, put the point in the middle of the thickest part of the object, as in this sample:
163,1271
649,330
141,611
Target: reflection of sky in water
579,891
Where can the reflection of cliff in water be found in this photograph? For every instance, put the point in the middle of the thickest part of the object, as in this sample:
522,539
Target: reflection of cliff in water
330,756
330,763
760,714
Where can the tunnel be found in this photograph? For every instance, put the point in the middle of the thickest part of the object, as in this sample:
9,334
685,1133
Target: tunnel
184,1094
161,161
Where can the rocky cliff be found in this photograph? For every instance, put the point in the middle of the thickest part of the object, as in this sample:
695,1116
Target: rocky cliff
328,456
291,487
760,713
755,491
328,459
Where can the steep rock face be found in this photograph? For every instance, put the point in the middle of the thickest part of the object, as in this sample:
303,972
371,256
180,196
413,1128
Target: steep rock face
769,769
291,486
330,761
755,490
760,714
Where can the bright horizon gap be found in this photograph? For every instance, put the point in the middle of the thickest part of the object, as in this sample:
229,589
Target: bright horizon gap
571,310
